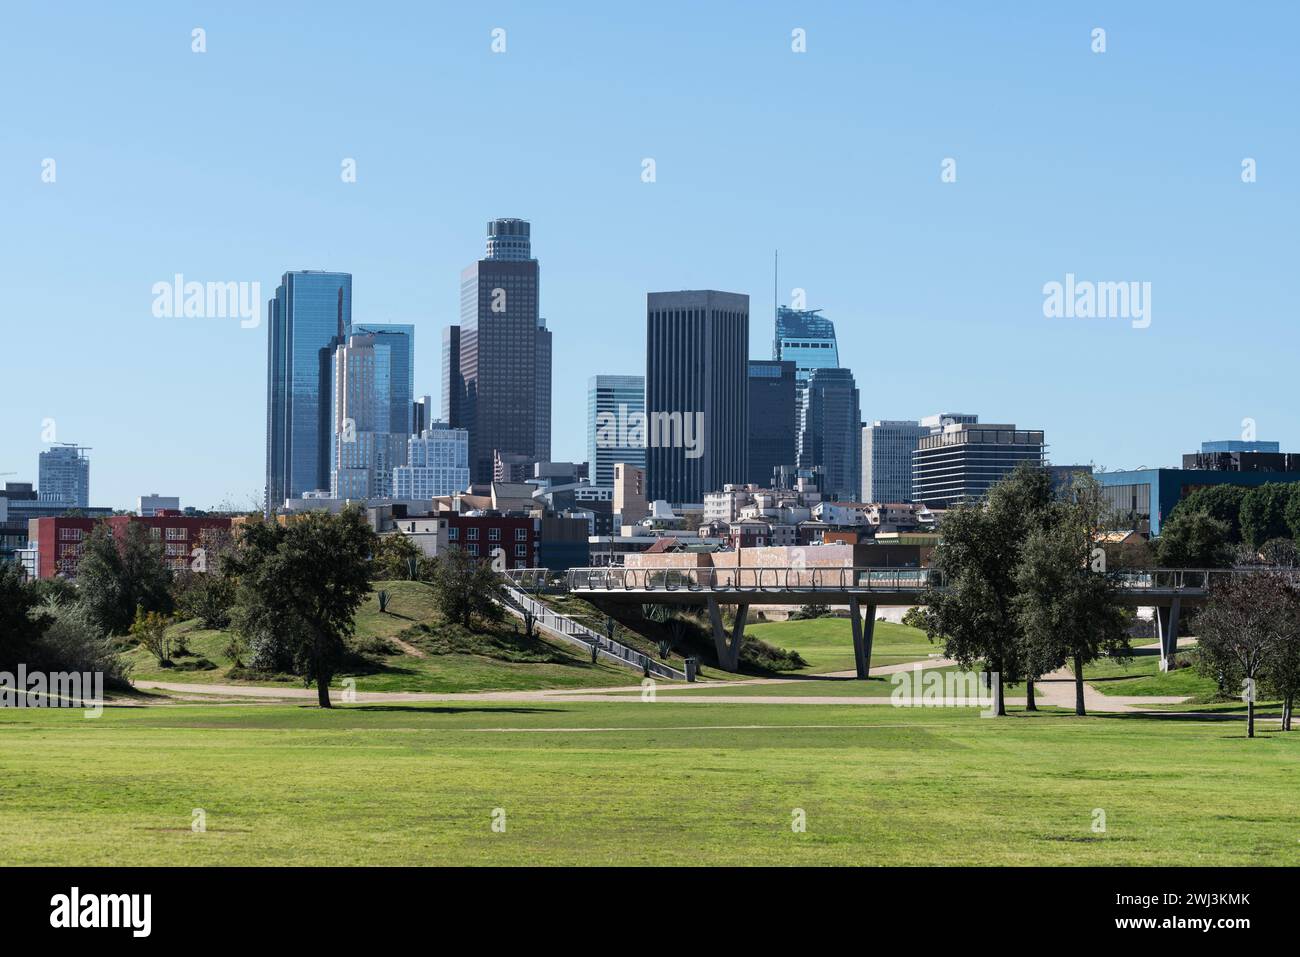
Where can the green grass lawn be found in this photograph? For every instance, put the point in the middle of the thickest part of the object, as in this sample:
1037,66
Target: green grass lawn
827,643
636,783
1142,676
410,603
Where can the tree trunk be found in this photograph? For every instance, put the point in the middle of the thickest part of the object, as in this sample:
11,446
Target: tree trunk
1287,704
1078,686
1002,701
1250,717
323,691
1030,704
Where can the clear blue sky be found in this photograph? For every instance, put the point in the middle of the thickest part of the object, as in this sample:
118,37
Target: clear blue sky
224,166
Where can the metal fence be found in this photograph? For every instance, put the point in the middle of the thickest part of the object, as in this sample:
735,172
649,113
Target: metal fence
842,579
577,633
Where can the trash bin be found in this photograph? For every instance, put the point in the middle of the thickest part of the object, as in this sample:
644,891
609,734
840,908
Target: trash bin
690,669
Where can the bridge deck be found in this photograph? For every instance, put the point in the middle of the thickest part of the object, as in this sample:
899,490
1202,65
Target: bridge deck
838,586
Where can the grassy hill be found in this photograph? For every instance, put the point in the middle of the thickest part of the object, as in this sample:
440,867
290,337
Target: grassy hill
408,647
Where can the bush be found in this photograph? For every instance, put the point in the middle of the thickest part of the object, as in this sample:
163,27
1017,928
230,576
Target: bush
375,646
74,642
809,612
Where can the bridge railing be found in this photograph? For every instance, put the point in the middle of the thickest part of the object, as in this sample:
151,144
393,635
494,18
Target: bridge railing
845,579
786,578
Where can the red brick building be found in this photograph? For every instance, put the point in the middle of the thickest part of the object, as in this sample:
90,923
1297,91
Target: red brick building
60,542
480,535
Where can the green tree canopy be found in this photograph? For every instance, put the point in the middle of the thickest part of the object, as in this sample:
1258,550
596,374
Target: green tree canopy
1218,501
464,587
300,585
1193,540
114,577
1263,513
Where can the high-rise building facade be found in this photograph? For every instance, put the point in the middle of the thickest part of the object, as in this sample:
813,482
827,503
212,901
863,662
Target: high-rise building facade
830,432
310,314
504,353
773,424
365,448
151,505
63,476
697,392
615,407
437,464
964,460
806,338
453,386
629,493
399,340
887,447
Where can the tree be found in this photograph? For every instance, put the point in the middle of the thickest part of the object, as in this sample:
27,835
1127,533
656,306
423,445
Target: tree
1241,628
1193,540
393,555
20,630
149,629
1067,603
1292,511
115,577
1263,513
1283,675
300,586
977,558
1218,501
464,587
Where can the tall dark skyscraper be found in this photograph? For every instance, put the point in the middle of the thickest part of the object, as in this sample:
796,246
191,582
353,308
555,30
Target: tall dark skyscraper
772,422
697,392
830,433
504,392
310,314
453,386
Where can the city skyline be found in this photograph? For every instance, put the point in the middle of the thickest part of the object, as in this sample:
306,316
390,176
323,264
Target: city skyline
930,283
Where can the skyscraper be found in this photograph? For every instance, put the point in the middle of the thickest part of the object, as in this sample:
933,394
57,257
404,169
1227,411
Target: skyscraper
365,448
615,403
63,476
697,392
806,338
830,432
437,464
399,339
772,419
887,447
504,353
964,460
453,386
310,314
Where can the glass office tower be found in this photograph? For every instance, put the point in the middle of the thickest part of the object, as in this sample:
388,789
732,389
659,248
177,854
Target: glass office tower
611,402
773,421
830,432
310,314
399,340
806,338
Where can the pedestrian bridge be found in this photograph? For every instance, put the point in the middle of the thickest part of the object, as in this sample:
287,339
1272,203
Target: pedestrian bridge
1168,590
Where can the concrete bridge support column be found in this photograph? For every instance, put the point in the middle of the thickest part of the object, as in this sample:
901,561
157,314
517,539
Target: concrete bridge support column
728,650
1167,626
863,632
